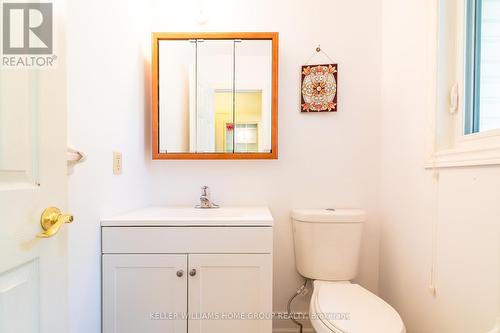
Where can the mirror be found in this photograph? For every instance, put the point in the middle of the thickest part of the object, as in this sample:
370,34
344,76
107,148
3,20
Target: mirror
215,95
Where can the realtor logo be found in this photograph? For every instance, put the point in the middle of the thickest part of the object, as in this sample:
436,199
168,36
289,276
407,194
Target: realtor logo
27,28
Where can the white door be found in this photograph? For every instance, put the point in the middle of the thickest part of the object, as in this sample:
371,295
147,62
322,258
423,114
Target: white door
33,286
144,293
205,118
225,286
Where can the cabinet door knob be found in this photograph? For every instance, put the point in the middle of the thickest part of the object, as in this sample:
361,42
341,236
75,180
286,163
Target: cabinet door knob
180,273
192,272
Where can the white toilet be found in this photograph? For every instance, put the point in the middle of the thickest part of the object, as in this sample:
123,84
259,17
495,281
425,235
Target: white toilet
327,244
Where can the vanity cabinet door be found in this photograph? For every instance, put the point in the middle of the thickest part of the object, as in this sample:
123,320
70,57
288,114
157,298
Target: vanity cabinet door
226,286
143,292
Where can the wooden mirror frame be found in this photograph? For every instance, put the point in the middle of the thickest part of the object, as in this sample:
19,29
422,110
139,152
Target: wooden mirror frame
157,37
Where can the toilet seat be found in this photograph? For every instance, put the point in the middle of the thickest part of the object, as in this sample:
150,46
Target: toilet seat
341,307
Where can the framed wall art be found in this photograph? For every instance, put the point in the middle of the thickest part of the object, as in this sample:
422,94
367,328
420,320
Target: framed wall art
319,88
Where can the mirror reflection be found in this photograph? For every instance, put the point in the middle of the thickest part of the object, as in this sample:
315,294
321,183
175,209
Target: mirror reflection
215,96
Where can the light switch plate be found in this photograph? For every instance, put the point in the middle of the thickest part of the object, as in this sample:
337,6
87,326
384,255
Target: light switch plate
117,163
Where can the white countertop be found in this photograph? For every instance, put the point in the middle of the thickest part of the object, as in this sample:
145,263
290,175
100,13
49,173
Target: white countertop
189,216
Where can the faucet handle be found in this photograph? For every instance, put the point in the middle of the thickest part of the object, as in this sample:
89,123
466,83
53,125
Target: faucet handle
205,199
204,190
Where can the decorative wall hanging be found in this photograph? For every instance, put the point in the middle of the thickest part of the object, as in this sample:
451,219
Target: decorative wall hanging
319,86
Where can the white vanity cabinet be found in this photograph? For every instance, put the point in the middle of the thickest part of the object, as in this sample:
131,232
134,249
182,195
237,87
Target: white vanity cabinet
175,269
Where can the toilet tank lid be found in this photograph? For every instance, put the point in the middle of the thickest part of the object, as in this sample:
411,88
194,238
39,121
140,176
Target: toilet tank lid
329,215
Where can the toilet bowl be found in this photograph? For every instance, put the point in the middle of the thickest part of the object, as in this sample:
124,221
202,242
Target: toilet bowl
327,243
349,308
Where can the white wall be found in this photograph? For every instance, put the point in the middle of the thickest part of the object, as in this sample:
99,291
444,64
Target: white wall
464,202
326,160
106,103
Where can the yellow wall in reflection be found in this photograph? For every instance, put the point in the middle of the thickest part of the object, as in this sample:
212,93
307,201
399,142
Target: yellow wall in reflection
248,111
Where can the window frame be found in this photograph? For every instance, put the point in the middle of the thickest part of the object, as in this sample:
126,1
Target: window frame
472,53
465,148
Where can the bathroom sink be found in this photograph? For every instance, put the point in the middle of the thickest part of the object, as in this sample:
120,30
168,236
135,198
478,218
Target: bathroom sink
189,216
180,260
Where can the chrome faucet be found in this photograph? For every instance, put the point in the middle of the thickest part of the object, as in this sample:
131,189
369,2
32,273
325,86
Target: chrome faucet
205,201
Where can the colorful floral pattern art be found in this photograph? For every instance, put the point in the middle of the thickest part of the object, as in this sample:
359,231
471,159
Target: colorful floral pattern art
319,88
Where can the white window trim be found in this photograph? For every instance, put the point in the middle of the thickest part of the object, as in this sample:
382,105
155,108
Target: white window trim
466,150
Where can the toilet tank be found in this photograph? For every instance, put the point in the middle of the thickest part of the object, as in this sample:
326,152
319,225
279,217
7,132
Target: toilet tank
327,242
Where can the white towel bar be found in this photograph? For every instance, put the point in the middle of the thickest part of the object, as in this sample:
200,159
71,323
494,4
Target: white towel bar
75,156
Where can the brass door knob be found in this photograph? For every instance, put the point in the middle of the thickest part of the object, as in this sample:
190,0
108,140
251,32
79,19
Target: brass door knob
192,272
180,273
51,221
